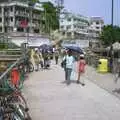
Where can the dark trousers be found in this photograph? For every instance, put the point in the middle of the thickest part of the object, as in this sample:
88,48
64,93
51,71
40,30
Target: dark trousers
68,72
41,63
56,59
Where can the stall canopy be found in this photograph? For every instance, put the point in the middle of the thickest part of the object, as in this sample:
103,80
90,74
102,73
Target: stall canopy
32,41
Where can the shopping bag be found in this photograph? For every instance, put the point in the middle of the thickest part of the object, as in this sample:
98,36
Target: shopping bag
73,75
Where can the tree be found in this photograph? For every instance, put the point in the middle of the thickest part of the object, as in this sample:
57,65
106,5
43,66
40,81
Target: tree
51,17
110,34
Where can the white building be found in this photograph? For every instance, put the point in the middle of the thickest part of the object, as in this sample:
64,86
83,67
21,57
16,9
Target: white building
95,28
81,27
74,26
13,12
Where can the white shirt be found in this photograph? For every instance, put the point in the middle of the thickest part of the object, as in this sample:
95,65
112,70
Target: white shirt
69,61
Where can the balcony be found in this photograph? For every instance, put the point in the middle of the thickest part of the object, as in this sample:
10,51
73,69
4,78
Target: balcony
37,17
1,23
19,13
35,25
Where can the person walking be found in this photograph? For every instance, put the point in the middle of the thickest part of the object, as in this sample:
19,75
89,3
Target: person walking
63,63
81,68
56,56
36,59
69,65
41,59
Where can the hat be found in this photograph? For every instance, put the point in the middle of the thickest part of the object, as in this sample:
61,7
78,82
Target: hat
36,49
82,55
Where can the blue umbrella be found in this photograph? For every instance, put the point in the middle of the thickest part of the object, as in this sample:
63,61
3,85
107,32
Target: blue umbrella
75,49
43,46
46,48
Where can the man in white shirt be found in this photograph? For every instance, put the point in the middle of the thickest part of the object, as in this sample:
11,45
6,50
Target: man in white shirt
69,66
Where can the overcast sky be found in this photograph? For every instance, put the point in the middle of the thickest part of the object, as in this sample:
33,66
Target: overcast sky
95,8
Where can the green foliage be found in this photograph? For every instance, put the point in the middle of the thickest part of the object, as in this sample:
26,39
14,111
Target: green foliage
3,46
51,17
110,34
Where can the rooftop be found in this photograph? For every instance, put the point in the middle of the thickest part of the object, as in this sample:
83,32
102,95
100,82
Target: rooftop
37,6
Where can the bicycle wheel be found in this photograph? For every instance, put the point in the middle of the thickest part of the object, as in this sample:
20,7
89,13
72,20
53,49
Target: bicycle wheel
19,113
24,113
15,116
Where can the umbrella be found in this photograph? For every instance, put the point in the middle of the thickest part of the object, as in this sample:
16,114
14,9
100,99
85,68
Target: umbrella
75,49
46,47
43,46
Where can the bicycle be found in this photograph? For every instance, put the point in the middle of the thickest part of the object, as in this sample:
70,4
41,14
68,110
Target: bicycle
13,105
11,109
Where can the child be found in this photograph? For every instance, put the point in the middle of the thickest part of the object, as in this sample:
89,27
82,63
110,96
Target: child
81,68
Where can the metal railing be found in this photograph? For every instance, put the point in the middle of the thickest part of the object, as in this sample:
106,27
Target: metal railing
6,74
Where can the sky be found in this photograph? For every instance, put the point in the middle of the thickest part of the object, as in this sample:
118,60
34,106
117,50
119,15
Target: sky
89,8
95,8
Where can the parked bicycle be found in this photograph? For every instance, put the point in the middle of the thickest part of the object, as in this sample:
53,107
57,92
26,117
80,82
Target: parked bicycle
13,105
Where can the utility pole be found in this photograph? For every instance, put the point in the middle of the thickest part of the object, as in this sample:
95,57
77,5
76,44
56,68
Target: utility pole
112,13
111,47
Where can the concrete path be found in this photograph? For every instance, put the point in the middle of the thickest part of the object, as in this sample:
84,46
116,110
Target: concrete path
105,81
50,98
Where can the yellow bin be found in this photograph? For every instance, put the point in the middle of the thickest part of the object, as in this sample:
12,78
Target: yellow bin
103,65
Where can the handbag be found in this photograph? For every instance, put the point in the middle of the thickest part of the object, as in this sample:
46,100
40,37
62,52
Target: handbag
63,63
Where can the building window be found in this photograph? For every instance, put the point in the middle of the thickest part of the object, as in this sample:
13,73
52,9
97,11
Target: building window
11,19
11,9
74,19
68,27
0,19
36,31
97,23
0,29
69,19
0,10
69,34
10,29
63,33
97,27
62,26
97,32
75,26
20,29
62,21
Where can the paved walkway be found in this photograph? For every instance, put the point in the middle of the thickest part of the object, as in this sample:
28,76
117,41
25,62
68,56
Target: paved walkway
105,81
50,98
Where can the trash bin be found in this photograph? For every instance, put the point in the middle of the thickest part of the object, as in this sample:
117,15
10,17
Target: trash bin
103,65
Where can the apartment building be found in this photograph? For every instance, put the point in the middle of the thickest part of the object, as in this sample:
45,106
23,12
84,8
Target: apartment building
74,26
80,27
18,16
95,28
